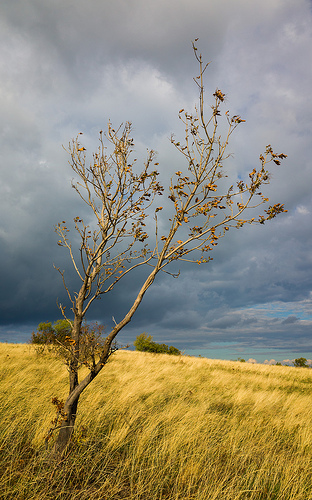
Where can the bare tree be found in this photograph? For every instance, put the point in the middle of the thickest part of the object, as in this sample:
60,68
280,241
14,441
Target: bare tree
120,200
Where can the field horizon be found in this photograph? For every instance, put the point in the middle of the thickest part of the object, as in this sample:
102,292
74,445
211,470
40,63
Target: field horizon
220,352
154,426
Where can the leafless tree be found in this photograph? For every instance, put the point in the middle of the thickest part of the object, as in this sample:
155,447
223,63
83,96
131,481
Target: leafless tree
120,200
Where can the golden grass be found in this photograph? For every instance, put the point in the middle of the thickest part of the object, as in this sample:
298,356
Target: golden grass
158,427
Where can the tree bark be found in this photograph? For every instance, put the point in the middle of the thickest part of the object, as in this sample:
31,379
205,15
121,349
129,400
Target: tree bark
67,427
71,404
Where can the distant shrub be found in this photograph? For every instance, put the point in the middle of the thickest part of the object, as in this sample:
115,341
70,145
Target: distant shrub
145,343
48,334
56,338
301,363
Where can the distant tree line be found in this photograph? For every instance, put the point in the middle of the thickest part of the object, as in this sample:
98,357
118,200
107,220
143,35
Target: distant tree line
298,363
55,337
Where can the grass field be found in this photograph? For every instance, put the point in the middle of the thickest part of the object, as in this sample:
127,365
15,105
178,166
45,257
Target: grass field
158,427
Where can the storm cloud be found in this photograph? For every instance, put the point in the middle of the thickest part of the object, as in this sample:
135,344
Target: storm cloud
68,67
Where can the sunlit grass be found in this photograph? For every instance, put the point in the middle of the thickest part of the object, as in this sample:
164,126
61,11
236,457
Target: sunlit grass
158,427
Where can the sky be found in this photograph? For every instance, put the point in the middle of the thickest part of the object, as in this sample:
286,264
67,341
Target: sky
70,66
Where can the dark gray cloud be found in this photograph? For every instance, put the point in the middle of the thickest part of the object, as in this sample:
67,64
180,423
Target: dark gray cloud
290,320
69,66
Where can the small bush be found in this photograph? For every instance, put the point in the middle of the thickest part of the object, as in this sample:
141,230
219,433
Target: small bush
48,334
301,363
57,339
145,343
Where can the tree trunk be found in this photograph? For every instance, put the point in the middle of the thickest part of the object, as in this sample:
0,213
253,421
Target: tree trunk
71,404
67,426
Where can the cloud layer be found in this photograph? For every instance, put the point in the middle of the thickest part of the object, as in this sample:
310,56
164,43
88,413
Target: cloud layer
69,67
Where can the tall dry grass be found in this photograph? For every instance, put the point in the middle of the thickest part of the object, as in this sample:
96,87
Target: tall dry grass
158,428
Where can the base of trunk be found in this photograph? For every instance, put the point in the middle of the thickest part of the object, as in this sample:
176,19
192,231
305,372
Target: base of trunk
66,429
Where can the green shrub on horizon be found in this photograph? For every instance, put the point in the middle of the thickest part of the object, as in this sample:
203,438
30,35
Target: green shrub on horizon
145,343
56,339
301,363
48,334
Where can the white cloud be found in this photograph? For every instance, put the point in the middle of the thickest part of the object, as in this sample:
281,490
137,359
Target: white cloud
302,210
